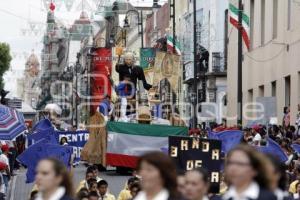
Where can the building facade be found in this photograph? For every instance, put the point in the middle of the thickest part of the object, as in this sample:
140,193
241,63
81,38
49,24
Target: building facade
28,85
271,65
211,51
54,62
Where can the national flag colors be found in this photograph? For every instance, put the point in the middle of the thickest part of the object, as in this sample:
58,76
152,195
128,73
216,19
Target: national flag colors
127,141
170,45
234,20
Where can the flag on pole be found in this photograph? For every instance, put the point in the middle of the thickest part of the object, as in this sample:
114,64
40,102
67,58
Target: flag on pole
234,20
170,45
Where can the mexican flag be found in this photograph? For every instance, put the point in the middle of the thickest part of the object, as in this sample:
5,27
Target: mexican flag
234,20
127,141
170,45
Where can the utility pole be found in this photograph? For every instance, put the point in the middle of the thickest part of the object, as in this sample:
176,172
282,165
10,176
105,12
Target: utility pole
195,67
174,27
142,29
240,67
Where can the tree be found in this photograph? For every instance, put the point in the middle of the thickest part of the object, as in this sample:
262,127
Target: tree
5,59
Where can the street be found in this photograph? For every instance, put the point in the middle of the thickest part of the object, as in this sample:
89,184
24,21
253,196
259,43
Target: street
19,190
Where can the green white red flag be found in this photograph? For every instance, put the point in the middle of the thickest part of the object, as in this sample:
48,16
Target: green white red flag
170,45
127,141
234,20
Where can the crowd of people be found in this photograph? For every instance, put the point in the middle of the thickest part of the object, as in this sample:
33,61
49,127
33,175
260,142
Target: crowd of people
248,174
8,163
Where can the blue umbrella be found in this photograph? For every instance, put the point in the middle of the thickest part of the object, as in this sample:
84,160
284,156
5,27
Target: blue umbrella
12,123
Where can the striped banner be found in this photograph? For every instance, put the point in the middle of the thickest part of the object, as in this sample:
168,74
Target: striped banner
127,141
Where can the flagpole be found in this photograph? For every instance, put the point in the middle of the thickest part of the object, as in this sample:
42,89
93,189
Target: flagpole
195,67
240,67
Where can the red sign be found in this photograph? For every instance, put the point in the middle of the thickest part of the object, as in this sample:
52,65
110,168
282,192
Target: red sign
100,85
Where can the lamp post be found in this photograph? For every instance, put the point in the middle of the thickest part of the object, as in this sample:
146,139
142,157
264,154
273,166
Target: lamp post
140,23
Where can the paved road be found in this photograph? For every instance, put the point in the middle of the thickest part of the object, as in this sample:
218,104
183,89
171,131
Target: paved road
19,190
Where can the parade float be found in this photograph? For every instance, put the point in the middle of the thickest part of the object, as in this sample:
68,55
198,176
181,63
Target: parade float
150,118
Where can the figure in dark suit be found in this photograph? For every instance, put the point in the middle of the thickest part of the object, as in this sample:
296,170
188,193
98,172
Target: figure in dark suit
135,73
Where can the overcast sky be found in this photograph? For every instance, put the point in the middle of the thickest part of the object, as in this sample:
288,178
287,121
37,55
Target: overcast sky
23,23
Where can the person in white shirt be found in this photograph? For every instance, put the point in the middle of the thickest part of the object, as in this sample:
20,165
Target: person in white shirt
197,184
158,177
5,160
247,175
53,180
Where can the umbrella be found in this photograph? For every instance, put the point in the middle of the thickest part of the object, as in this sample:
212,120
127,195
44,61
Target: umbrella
12,123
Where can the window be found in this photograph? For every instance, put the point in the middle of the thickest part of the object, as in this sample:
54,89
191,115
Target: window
289,14
275,18
251,23
273,92
287,81
261,91
250,95
262,19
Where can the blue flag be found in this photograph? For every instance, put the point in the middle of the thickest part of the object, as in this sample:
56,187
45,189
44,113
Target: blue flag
48,134
43,124
212,135
296,147
230,138
273,148
43,149
62,153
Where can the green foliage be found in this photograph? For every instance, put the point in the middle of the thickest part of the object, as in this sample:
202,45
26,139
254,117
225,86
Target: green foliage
5,59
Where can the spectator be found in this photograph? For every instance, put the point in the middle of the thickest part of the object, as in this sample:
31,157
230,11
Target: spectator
93,196
286,117
181,184
64,141
83,184
197,184
53,180
125,193
95,171
298,121
134,188
33,195
3,167
158,177
247,175
4,159
92,183
82,194
103,193
278,178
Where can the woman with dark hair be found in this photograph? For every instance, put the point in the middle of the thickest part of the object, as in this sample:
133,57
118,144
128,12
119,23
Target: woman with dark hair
247,175
64,141
158,177
53,180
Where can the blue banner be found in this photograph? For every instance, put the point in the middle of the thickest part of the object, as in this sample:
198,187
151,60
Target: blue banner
76,139
230,138
273,148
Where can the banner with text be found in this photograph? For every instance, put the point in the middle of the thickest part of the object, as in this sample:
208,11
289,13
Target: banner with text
147,58
76,139
189,153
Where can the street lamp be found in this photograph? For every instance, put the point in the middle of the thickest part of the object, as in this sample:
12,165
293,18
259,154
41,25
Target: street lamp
140,23
155,5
